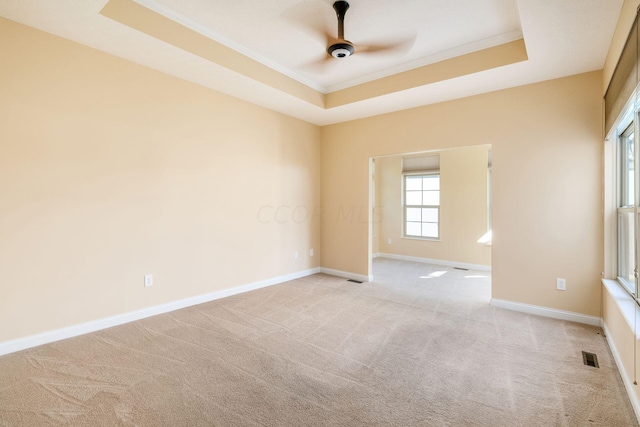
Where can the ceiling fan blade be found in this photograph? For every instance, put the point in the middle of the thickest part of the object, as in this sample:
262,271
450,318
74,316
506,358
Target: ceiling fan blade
401,47
317,66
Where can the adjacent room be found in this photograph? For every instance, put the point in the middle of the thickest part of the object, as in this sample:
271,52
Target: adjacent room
411,222
319,212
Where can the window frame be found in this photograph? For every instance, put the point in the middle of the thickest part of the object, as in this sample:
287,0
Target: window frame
627,127
405,206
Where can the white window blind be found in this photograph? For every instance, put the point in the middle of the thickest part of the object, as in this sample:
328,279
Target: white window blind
624,79
422,164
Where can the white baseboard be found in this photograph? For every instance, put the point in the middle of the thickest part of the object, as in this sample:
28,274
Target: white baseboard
626,379
96,325
546,312
346,274
479,267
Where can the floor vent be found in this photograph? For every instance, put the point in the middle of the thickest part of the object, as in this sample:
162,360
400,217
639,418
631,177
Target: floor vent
590,359
353,281
460,268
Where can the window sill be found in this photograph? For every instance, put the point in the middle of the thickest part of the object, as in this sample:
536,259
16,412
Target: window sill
626,304
427,239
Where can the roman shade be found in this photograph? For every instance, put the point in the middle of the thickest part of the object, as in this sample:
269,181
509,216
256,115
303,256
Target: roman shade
624,79
421,164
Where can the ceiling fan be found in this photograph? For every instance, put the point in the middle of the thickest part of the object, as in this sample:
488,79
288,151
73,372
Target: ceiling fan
342,48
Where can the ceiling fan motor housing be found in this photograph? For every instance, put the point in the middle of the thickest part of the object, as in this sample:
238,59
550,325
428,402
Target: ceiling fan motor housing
341,50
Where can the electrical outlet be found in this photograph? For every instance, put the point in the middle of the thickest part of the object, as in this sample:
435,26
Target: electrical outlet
310,252
295,255
389,241
148,280
561,284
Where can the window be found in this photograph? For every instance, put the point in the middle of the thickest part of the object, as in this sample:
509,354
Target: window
422,205
622,190
627,209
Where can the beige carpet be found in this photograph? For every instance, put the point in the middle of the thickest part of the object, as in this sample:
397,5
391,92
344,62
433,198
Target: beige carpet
420,346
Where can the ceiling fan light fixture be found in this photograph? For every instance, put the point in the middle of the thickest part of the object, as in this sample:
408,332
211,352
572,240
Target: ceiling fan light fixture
341,50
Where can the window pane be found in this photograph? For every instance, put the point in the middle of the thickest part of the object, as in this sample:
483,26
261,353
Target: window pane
630,190
626,248
422,191
429,230
413,183
431,198
430,215
627,168
414,198
630,171
413,214
413,229
431,182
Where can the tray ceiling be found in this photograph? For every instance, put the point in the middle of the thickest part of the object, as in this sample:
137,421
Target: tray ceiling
273,53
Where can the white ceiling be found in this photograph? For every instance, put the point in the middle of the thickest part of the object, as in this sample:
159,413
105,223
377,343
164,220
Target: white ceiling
562,37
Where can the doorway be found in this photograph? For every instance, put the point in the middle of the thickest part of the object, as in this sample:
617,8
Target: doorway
432,207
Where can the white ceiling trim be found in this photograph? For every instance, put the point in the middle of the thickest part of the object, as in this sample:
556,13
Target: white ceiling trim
209,33
431,59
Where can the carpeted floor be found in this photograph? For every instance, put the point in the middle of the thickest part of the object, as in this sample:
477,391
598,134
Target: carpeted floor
419,346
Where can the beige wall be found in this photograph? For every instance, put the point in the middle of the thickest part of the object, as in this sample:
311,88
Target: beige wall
622,336
463,209
547,211
109,171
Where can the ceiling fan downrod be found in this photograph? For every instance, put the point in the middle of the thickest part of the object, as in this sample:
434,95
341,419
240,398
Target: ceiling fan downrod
343,48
